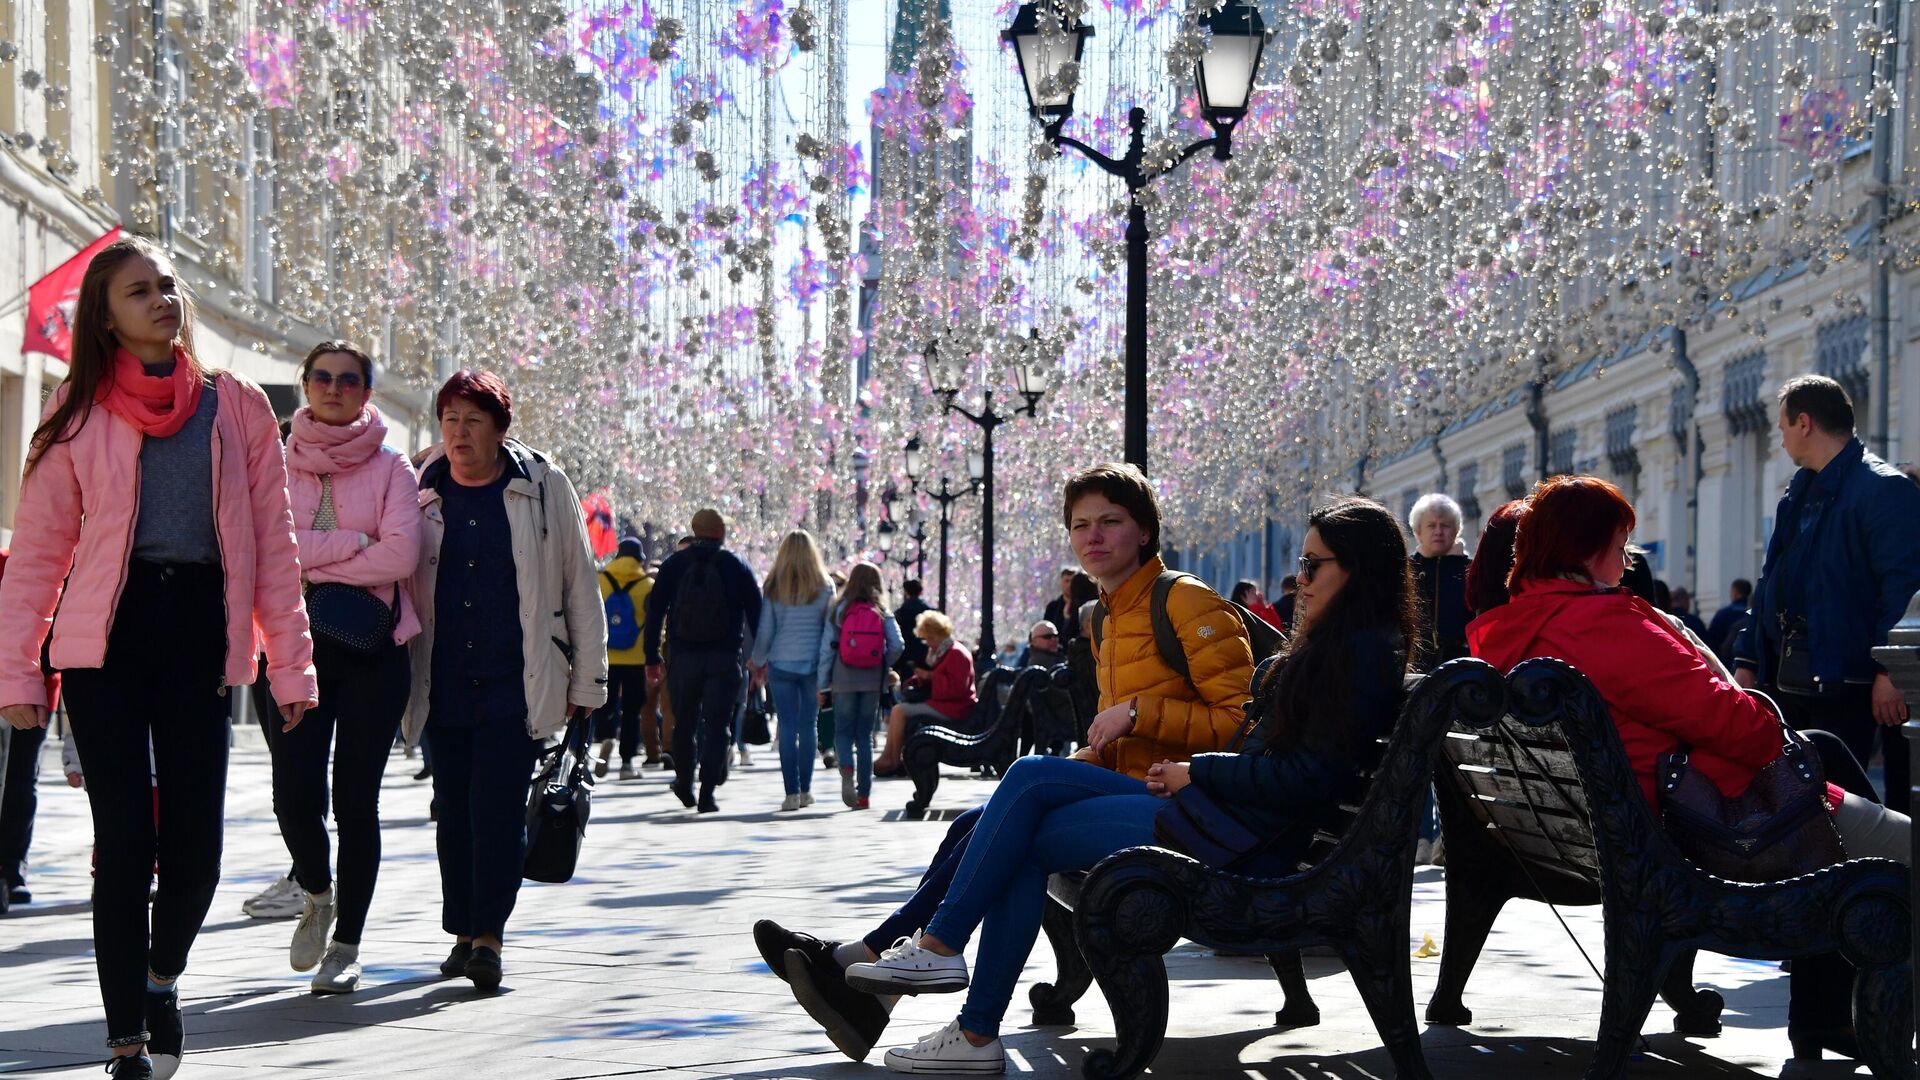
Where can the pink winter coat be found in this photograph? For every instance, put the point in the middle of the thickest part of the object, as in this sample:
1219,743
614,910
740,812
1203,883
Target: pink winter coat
375,493
77,510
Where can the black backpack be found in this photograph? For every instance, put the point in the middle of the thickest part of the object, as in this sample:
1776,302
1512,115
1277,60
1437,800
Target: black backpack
703,613
1266,640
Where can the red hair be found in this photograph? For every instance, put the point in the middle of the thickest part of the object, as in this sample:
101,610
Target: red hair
482,389
1569,520
1493,558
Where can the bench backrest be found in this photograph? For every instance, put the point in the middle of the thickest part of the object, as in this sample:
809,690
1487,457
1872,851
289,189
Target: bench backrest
1521,783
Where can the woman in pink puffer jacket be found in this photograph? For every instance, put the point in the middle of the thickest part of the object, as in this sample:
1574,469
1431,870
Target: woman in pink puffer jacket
154,521
356,511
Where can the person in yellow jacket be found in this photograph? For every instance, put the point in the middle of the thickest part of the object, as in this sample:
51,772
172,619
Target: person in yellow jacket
1149,714
624,586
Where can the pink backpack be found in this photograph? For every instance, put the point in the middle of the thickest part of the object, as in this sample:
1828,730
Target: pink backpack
863,640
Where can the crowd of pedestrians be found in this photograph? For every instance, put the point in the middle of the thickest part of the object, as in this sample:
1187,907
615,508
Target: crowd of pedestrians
169,547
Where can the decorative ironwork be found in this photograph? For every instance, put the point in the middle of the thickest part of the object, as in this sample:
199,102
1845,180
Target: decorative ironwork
1469,498
1513,470
1560,449
1622,455
1840,353
1740,395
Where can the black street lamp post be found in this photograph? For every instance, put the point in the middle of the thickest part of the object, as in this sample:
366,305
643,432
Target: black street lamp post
945,373
1049,60
890,533
946,496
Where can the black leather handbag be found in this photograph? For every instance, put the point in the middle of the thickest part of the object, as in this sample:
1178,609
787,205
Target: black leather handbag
559,805
1794,672
1780,827
754,729
351,617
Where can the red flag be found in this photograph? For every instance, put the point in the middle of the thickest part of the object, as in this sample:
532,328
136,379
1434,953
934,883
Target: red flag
599,514
51,301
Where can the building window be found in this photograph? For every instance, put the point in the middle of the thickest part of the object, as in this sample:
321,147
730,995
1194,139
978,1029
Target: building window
1621,453
1560,447
1407,499
1513,470
1468,498
1840,353
1679,414
1740,396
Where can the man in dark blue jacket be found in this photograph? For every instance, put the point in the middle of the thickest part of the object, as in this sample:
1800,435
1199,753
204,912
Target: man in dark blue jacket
708,604
1843,562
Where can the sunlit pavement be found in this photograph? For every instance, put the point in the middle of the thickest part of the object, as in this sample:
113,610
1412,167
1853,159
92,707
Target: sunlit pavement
644,963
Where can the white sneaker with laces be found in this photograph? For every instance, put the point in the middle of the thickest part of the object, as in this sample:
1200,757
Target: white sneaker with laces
284,899
909,969
791,802
310,933
948,1051
339,970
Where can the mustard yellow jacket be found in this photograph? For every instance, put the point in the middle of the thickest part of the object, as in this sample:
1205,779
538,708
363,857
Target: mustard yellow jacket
1177,718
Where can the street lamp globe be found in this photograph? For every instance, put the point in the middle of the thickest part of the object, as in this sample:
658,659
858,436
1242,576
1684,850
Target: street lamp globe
886,537
944,371
1034,371
1049,58
1226,72
916,459
976,464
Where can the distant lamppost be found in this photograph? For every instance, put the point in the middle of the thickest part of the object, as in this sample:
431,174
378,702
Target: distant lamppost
1049,57
944,373
946,496
890,534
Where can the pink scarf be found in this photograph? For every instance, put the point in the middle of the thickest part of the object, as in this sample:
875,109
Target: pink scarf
156,405
316,447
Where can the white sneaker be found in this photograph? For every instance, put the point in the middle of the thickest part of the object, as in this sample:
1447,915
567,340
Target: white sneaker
746,758
310,933
947,1051
339,970
806,799
600,760
283,899
791,802
628,772
909,969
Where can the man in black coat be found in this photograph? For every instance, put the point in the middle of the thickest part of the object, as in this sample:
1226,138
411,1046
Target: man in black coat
906,615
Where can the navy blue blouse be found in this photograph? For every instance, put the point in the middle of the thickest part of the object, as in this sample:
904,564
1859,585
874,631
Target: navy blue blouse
477,659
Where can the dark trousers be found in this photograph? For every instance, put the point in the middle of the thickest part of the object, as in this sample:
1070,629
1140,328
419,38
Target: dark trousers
19,802
704,687
917,912
161,686
361,699
481,776
1820,988
625,710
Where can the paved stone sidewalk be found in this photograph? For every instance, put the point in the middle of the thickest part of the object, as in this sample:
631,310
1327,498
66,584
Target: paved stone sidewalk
644,963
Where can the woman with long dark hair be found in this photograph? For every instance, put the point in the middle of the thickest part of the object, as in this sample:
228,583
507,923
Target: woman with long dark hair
1334,693
356,512
154,520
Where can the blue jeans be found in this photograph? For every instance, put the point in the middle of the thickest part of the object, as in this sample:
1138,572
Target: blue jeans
853,718
794,704
1049,815
913,916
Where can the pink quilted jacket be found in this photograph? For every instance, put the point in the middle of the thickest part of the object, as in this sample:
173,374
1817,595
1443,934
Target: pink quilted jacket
378,497
77,511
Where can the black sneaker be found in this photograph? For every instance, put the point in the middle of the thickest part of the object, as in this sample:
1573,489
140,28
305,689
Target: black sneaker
708,806
483,967
684,792
20,894
773,941
455,965
853,1020
166,1037
131,1067
666,761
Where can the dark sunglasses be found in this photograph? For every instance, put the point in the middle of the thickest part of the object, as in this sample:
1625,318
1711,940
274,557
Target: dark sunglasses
1048,637
346,380
1310,565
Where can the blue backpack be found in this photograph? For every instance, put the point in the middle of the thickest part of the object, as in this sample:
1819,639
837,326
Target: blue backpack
623,625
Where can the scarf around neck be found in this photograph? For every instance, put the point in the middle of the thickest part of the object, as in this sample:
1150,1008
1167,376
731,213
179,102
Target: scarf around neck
156,405
319,448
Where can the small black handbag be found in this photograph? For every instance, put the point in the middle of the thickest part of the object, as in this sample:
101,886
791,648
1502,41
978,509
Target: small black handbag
754,729
1794,673
351,617
558,806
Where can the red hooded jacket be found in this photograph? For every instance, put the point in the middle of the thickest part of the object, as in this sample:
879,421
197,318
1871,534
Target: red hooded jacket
1657,688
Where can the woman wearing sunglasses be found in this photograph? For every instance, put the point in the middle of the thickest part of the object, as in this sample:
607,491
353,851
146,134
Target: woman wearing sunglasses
357,517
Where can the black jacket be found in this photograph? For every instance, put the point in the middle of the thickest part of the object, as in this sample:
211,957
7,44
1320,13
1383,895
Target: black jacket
1287,794
742,595
915,652
1440,587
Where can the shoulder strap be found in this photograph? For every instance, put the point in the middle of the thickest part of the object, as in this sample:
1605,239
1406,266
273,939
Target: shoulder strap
627,589
1166,636
611,583
1095,622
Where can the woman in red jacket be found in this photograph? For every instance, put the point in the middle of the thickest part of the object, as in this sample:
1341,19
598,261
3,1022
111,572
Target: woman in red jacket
154,519
948,676
1568,557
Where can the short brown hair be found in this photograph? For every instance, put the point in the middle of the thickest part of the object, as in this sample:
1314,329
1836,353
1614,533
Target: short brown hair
348,347
483,389
1125,486
1822,399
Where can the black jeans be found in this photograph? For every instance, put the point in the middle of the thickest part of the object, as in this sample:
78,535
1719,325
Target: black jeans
705,686
361,699
481,776
626,697
19,802
162,685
